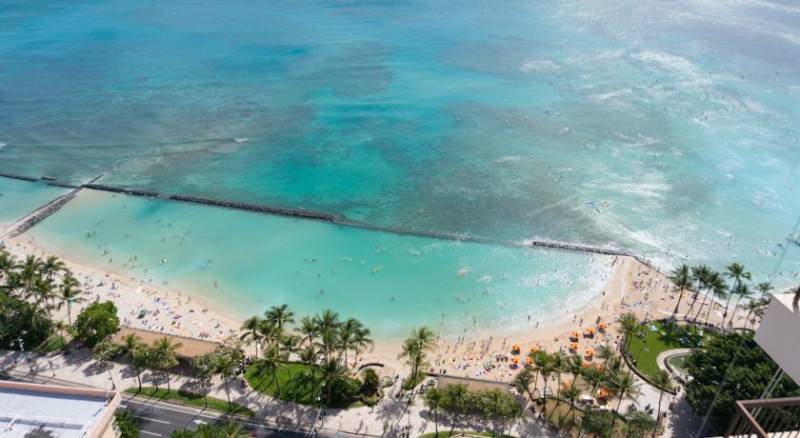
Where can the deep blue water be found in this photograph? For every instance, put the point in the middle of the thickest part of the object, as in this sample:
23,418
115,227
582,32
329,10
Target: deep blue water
670,128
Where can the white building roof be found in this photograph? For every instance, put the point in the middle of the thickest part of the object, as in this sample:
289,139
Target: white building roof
65,412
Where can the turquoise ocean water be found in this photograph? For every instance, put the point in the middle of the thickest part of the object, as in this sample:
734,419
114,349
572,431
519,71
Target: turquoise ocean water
667,128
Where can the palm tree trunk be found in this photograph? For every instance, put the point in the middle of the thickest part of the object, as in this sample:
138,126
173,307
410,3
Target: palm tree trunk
277,385
700,310
708,312
747,319
168,379
691,306
735,308
228,394
619,404
678,304
558,389
725,313
436,422
658,416
139,377
69,313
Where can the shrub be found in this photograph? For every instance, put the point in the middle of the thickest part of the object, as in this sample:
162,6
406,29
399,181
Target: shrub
96,322
127,424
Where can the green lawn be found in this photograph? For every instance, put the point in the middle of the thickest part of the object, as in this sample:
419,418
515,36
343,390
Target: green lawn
657,337
190,399
299,383
52,344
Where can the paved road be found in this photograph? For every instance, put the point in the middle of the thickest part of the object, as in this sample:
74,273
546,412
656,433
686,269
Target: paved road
159,419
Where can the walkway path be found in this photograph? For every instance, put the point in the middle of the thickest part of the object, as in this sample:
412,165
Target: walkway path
661,359
389,415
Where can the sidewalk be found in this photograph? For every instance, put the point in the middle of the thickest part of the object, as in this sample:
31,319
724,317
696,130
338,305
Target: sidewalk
382,420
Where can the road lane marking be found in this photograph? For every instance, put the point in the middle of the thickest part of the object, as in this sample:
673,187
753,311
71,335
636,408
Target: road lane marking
150,433
153,419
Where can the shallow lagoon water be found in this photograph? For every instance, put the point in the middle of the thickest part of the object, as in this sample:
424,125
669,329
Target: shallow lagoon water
18,198
246,262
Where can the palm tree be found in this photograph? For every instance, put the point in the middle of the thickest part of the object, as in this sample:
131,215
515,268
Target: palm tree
719,290
230,429
167,356
699,274
280,316
43,290
272,362
571,394
605,352
361,341
546,369
456,398
680,279
743,291
132,345
250,327
574,366
629,325
347,332
415,349
51,266
763,289
288,344
522,382
540,360
711,277
593,377
559,365
29,272
331,373
624,385
308,329
308,355
69,295
267,331
736,272
662,380
433,399
225,365
327,327
7,263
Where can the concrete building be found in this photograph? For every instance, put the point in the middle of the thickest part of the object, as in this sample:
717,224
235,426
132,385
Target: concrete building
31,410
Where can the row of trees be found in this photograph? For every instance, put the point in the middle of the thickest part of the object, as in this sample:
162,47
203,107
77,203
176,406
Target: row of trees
317,339
495,407
705,281
30,290
324,341
573,377
734,367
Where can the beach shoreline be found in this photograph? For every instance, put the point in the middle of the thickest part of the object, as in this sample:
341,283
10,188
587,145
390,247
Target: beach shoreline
172,311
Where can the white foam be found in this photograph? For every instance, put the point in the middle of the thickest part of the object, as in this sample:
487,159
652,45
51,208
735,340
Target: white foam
539,66
2,145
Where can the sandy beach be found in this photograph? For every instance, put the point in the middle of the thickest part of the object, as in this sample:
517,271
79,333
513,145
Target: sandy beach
632,287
